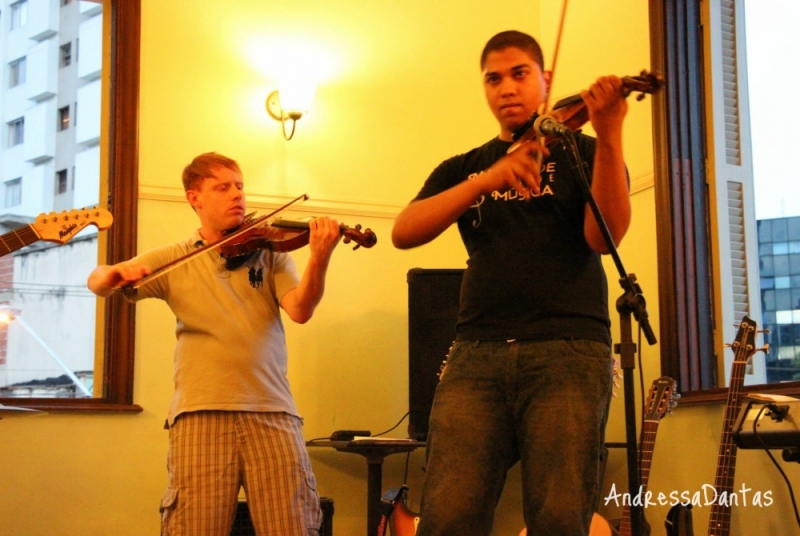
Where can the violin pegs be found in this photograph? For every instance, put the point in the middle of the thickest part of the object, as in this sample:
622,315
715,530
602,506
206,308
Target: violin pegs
356,247
358,227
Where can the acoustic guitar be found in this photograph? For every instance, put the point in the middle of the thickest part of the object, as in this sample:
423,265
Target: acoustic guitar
57,227
404,522
599,527
679,520
661,399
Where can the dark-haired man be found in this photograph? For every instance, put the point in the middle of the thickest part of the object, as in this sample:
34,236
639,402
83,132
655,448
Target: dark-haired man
233,422
529,376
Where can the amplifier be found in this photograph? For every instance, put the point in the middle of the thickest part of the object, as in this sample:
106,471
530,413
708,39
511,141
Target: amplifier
242,526
433,301
776,431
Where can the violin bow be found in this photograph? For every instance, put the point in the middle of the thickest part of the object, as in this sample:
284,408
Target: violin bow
129,289
555,55
547,110
546,106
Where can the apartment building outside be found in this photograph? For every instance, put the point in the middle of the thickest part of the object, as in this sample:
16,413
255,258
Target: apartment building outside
50,92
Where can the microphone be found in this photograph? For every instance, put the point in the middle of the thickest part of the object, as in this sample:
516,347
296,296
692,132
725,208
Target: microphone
544,125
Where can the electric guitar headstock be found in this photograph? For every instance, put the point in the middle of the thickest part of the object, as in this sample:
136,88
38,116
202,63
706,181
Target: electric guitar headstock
61,227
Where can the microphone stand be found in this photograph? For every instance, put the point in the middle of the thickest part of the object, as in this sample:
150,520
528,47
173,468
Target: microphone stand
631,302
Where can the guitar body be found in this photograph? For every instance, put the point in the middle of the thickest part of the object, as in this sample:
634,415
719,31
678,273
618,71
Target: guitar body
599,527
404,522
660,400
679,521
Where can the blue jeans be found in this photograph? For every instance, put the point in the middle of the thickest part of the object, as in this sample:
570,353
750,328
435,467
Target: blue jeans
544,403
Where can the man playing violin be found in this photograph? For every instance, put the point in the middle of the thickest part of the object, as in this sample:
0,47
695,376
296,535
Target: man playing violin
232,421
529,376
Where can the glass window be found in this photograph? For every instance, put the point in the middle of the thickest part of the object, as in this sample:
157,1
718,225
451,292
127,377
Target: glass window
16,132
65,54
61,181
19,14
29,369
13,195
63,119
721,54
780,248
16,75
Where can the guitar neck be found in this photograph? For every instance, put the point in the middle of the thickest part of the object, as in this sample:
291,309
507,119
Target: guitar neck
647,442
17,239
720,520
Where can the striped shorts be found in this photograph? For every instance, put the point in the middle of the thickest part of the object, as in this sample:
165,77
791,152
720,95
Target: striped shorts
214,453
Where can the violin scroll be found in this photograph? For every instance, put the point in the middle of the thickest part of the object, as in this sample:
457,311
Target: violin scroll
645,83
354,234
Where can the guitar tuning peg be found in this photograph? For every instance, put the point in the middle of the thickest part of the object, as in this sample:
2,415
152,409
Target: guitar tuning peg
764,349
765,330
726,345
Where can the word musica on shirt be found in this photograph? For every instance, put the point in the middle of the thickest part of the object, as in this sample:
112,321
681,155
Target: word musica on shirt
512,194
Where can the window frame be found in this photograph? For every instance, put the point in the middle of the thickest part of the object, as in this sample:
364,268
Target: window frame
19,14
65,55
17,185
120,239
688,310
62,173
17,74
16,126
63,119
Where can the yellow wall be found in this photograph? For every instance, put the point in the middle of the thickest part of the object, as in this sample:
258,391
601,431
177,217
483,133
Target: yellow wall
400,92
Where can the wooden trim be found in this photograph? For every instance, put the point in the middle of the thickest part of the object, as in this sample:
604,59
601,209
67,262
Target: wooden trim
685,301
123,184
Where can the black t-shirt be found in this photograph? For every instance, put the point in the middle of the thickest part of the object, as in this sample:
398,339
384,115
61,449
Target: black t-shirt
530,274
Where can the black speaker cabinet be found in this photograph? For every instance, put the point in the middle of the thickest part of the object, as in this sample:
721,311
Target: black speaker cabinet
433,298
242,526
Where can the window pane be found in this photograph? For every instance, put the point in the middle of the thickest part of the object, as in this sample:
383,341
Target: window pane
43,352
19,14
65,55
13,193
776,189
17,72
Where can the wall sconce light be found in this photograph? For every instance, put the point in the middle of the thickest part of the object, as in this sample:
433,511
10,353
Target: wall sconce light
290,101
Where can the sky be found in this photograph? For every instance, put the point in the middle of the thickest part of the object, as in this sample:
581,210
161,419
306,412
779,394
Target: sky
773,50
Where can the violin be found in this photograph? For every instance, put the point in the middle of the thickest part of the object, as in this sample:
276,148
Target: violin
572,112
288,235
